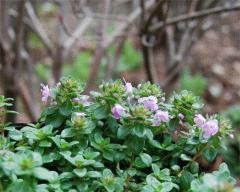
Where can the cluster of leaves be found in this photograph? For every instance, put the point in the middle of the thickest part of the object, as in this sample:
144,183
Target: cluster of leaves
232,155
4,105
81,147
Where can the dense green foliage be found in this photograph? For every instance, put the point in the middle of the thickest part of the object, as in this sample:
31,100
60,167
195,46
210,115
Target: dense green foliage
232,155
83,146
196,83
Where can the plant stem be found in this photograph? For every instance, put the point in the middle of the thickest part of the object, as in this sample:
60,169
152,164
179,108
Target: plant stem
193,159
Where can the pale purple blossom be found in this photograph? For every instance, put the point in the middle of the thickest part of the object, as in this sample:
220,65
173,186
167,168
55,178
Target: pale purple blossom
210,128
199,120
181,116
118,111
160,116
84,99
46,93
149,102
129,88
75,100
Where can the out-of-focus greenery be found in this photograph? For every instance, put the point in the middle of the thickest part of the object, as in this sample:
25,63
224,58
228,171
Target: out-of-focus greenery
130,58
34,42
233,114
232,154
194,83
46,8
80,67
219,180
43,71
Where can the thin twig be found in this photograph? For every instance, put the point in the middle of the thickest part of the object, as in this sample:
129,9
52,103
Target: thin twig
131,18
80,29
195,15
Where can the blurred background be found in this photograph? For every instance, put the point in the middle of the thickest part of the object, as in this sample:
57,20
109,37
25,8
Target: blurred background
179,44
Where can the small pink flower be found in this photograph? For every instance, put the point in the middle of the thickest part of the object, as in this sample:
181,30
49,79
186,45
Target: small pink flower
181,116
75,100
149,102
45,91
118,111
210,128
160,116
199,120
129,88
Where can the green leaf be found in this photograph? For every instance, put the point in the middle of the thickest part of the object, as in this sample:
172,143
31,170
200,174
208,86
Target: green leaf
107,173
56,120
176,168
210,153
173,123
122,132
70,132
184,157
135,144
185,180
80,172
194,167
155,168
147,159
43,173
94,174
152,181
66,108
100,113
168,186
139,131
20,186
45,143
15,135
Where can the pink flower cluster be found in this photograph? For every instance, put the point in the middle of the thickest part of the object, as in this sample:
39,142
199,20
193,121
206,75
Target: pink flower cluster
209,127
84,99
149,102
159,117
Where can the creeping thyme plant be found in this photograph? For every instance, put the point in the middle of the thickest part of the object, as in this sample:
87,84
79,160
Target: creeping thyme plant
122,138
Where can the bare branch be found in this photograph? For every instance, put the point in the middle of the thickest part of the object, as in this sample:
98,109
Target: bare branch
100,50
30,107
196,15
171,45
38,26
80,29
131,18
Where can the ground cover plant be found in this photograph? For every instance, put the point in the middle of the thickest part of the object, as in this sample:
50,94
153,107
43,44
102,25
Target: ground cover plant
121,138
